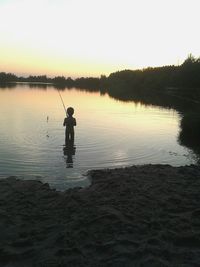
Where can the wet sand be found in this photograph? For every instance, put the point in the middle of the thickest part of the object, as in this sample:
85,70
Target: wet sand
137,216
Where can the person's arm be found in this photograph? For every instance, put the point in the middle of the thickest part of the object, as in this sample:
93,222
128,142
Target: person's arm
64,123
74,122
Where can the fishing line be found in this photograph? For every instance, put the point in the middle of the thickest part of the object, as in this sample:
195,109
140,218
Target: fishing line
62,101
47,135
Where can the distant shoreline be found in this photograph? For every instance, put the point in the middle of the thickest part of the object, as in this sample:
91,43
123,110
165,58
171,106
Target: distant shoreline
149,86
185,75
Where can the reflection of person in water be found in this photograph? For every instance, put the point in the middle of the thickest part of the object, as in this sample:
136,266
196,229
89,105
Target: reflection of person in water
69,123
69,151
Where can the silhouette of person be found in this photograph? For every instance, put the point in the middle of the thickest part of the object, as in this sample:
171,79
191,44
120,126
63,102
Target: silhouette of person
69,123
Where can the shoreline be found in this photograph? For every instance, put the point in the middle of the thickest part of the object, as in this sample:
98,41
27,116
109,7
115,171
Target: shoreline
145,215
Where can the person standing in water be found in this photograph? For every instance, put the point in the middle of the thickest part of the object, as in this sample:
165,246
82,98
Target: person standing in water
69,123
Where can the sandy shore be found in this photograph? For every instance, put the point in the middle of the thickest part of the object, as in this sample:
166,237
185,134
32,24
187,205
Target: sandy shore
137,216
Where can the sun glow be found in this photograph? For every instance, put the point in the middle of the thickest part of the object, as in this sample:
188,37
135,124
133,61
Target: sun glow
90,38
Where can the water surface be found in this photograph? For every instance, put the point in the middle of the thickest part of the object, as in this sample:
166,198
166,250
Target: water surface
109,133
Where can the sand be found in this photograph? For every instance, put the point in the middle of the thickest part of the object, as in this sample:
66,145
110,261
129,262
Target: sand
137,216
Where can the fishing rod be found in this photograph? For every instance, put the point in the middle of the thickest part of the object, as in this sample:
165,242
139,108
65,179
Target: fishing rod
47,135
62,102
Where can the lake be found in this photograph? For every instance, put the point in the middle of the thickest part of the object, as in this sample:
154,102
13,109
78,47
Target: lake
109,134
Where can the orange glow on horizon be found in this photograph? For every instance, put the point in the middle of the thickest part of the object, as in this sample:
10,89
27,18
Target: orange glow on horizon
89,38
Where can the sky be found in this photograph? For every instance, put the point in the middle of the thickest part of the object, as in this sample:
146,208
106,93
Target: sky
76,38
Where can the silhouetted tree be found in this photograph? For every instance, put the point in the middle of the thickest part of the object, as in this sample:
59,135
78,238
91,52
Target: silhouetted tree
7,77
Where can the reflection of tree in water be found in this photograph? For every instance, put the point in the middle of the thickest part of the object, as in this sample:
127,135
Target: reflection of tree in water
189,135
174,87
5,85
69,151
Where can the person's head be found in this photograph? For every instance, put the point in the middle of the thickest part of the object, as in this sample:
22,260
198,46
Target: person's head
70,111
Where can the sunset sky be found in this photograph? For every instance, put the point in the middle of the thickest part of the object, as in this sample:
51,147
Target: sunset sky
93,37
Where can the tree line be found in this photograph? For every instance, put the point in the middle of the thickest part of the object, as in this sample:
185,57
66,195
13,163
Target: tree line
187,75
175,87
183,81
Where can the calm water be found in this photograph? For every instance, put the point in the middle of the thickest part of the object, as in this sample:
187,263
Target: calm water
109,133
